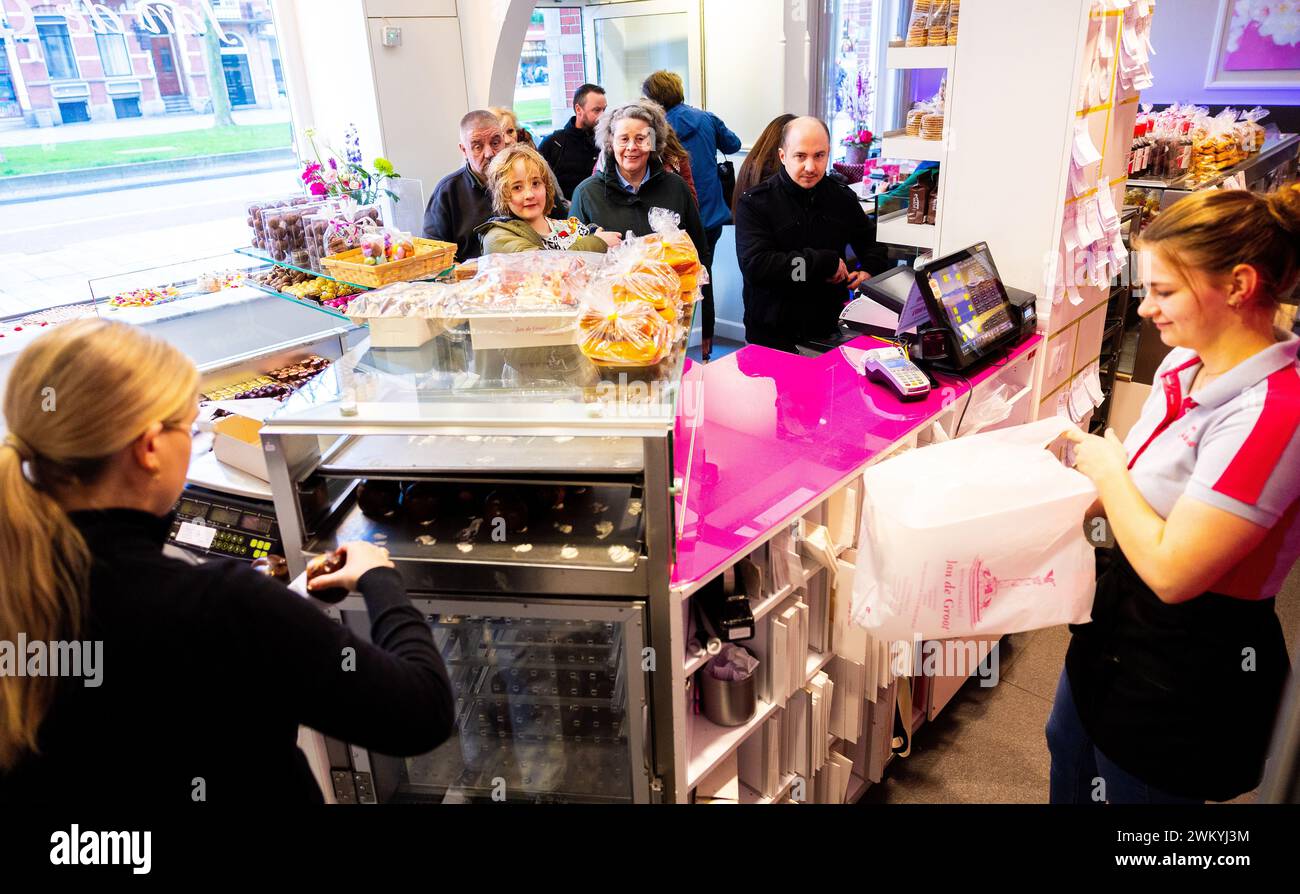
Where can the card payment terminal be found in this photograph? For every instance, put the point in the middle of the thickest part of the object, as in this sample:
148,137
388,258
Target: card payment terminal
890,366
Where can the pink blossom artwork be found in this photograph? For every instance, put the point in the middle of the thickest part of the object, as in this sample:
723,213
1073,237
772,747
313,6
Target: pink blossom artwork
1263,35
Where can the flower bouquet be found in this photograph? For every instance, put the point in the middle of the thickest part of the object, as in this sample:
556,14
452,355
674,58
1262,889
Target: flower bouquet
855,102
345,176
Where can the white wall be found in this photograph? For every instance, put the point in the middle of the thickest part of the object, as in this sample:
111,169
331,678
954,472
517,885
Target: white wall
327,64
742,39
461,54
1183,35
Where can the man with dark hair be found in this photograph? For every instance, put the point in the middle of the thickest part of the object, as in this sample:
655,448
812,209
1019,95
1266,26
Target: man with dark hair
792,232
460,203
571,152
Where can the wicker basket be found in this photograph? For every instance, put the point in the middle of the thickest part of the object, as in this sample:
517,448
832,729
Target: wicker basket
430,257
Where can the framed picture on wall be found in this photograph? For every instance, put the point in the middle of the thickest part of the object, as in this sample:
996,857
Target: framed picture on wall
1256,44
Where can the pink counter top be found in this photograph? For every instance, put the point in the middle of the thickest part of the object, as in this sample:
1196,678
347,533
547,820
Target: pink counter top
765,435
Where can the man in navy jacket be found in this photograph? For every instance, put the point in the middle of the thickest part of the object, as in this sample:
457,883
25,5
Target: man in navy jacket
460,203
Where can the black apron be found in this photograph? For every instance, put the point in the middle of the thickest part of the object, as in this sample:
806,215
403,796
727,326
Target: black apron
1163,689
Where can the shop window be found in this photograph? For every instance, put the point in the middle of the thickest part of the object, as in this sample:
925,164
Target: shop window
75,112
126,107
631,48
8,95
182,221
112,52
854,57
57,46
551,69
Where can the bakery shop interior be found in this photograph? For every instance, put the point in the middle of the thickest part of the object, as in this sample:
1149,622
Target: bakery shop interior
649,402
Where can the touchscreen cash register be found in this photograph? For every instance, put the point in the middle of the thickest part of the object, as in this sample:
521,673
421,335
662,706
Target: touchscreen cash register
969,305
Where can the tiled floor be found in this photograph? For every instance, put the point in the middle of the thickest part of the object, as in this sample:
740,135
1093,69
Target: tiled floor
988,745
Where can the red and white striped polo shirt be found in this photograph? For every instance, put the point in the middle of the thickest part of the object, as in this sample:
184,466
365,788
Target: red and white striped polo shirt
1235,446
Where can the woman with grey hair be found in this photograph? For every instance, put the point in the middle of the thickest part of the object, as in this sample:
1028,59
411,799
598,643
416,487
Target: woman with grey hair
632,179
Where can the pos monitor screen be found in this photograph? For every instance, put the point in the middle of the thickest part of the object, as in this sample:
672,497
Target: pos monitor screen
966,297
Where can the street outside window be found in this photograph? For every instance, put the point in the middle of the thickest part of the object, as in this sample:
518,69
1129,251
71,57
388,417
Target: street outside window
133,142
552,67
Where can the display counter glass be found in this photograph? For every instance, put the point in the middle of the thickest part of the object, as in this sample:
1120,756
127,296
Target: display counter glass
212,310
448,384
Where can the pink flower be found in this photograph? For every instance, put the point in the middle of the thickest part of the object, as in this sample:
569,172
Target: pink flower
319,189
865,136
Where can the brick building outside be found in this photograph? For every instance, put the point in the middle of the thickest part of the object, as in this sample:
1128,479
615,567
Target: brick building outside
70,62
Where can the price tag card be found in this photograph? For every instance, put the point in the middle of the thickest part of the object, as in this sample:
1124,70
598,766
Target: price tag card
1060,357
1078,179
1080,403
1085,152
1070,228
1106,202
1120,252
1092,384
196,535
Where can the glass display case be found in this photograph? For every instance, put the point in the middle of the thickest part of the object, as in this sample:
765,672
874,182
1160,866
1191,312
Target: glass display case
550,705
1272,167
18,330
212,310
525,495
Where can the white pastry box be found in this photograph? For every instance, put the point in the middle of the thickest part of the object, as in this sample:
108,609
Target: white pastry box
237,440
524,330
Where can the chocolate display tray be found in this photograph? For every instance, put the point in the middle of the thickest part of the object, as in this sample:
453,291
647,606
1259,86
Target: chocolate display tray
565,538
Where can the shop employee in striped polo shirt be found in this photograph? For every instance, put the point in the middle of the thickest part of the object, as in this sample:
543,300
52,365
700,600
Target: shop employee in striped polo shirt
1170,694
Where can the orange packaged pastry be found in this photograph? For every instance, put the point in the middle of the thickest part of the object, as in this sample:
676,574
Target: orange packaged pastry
651,281
632,334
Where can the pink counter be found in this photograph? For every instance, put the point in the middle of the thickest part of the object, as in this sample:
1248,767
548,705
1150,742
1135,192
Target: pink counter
763,435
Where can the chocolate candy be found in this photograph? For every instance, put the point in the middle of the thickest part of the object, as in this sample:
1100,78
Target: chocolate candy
379,500
509,505
423,503
326,563
272,566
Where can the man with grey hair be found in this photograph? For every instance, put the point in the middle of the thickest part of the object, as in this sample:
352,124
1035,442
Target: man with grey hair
619,197
461,202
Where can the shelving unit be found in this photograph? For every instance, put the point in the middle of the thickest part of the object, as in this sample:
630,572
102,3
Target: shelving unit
920,57
895,230
305,302
897,144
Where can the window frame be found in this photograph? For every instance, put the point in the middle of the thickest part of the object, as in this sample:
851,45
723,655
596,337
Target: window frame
104,39
67,42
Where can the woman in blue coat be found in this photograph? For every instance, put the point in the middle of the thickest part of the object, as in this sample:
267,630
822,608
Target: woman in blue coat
704,135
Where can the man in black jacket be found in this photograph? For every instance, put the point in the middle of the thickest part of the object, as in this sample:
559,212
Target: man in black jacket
791,234
460,203
572,151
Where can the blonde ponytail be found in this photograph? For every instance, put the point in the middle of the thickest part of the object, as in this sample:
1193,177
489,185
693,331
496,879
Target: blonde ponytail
75,397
